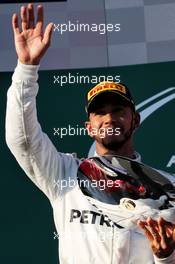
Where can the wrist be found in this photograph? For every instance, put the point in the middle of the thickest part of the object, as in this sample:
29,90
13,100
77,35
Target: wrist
29,62
162,255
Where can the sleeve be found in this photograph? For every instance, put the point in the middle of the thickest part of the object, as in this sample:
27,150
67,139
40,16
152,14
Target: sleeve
31,147
169,260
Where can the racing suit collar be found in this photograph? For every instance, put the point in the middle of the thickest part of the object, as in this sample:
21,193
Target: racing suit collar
136,154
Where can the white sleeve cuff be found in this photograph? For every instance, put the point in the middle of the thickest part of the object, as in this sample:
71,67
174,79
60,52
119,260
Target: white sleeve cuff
168,260
24,72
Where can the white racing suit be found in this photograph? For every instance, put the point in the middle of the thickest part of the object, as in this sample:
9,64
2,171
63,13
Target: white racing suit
86,236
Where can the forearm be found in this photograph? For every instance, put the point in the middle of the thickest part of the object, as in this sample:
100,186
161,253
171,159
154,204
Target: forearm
21,118
32,148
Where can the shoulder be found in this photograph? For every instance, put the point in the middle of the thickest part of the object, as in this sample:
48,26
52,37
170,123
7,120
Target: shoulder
169,176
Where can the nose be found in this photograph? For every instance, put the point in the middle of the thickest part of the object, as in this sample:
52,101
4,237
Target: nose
109,119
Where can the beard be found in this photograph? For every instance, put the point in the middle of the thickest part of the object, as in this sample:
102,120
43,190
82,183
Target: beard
114,142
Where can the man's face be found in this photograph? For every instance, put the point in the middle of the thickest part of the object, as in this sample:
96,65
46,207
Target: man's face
112,123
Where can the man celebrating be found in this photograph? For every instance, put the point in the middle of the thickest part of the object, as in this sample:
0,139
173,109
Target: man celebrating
95,225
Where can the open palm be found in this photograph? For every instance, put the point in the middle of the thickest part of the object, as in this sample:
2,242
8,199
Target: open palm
31,42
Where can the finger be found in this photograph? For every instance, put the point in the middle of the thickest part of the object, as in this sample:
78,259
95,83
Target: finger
31,22
153,223
24,18
40,15
48,34
15,25
174,234
162,232
154,228
143,226
168,226
169,231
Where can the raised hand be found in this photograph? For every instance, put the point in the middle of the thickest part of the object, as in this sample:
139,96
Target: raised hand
161,235
31,42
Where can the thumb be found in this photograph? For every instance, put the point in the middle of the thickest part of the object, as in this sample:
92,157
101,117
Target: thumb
48,34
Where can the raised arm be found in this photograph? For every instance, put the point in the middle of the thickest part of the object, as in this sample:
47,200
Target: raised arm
31,147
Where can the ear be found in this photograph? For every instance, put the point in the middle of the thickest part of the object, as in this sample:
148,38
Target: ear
137,120
89,129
